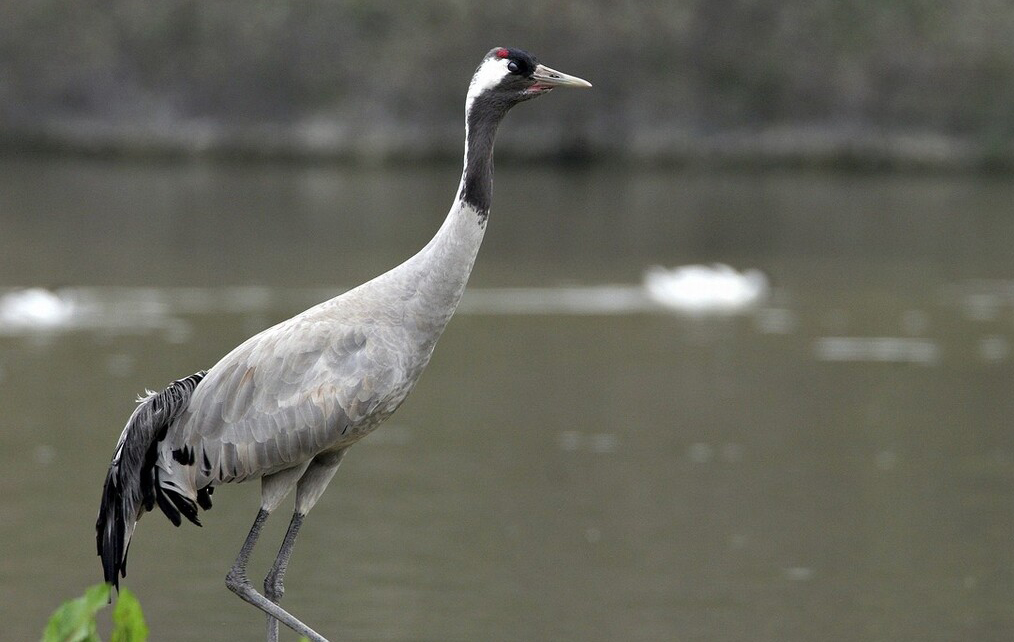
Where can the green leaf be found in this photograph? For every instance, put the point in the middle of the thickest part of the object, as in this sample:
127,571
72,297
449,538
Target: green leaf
74,620
128,620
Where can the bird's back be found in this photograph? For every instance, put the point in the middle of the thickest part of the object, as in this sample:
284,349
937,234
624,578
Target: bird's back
319,381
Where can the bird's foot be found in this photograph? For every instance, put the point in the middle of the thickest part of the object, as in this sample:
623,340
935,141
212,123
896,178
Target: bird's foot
238,583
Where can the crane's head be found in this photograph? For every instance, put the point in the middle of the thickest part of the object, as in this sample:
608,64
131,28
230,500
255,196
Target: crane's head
508,76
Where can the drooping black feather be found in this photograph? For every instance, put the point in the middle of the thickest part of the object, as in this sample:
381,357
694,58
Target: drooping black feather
184,455
168,507
204,497
205,463
186,506
132,485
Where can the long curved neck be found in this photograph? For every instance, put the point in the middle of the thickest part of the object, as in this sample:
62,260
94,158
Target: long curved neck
437,275
482,117
449,256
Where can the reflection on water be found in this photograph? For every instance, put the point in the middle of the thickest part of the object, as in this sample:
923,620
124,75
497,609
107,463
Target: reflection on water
890,349
579,463
114,311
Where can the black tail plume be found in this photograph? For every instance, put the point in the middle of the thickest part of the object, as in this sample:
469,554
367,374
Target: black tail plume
131,486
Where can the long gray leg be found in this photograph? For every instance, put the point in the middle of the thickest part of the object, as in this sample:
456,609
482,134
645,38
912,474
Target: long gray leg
239,584
312,482
274,586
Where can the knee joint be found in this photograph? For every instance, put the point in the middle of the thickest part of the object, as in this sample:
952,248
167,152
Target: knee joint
273,587
237,581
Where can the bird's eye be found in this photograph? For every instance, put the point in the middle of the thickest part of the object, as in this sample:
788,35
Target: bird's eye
513,67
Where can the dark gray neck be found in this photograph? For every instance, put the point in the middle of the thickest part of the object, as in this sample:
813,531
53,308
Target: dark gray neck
481,122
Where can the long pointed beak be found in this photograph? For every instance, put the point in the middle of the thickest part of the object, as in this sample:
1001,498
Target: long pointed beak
547,77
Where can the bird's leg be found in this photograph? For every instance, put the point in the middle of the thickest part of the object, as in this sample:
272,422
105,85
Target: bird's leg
237,574
273,583
312,482
239,584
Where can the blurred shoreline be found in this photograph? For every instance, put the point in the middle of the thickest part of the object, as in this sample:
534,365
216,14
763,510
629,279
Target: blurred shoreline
728,83
785,147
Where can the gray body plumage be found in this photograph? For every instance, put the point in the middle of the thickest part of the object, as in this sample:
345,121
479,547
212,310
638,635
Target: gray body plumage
303,390
325,378
286,404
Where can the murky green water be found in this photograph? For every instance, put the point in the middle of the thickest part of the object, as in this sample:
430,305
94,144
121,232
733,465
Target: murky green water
835,465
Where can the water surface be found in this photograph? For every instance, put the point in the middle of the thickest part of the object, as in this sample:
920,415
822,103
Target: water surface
835,465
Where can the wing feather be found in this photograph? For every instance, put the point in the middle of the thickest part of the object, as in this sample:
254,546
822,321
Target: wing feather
284,395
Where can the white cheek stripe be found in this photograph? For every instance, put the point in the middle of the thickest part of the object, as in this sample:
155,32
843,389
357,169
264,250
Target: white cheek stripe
488,75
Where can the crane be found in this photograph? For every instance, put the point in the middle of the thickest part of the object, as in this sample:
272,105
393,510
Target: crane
285,405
